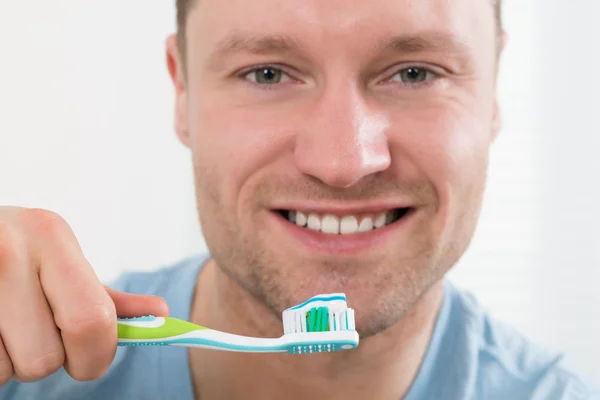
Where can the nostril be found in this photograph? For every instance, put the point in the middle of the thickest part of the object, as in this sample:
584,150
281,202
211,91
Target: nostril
340,177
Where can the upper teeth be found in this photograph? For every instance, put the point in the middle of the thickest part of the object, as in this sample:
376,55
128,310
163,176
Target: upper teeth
345,225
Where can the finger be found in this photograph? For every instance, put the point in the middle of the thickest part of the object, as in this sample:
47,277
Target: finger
30,337
133,305
6,367
83,310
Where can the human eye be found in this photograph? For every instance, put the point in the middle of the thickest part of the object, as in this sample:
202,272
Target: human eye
266,76
414,76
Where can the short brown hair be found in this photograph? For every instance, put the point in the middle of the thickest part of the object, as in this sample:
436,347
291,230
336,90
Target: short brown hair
184,6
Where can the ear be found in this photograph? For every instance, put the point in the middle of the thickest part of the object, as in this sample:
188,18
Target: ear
176,68
497,115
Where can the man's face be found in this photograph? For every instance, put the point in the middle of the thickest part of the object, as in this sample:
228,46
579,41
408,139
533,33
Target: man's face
353,113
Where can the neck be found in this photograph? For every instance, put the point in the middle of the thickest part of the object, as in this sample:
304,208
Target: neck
383,366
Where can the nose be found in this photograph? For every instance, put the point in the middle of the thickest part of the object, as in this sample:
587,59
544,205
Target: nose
341,141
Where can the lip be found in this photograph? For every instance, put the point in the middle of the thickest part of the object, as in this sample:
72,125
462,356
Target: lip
347,245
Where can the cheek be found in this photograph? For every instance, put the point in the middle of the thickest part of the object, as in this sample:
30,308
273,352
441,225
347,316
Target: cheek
449,147
234,144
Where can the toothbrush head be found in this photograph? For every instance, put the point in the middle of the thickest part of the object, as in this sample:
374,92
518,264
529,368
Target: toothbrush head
322,324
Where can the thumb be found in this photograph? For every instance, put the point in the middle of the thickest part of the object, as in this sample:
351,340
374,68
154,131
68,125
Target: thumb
134,305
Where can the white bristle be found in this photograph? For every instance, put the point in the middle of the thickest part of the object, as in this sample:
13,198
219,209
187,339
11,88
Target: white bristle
351,320
331,327
298,325
303,319
336,325
338,321
346,320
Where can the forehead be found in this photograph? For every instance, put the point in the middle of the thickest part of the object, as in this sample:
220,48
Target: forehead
335,24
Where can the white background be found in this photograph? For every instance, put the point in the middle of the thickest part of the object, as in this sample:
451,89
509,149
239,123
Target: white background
86,110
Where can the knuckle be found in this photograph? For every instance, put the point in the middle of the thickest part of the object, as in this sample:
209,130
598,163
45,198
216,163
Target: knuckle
42,366
44,221
9,247
95,319
7,252
5,231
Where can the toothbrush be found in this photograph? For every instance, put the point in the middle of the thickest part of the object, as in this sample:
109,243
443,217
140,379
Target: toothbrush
323,323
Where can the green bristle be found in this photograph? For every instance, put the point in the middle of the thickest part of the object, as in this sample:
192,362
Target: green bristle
325,320
311,320
317,319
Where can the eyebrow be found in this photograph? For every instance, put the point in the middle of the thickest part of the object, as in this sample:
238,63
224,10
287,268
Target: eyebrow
434,41
427,41
259,45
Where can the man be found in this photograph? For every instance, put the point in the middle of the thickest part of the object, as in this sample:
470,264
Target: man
338,146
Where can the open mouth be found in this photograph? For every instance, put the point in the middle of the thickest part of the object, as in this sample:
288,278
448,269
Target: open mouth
344,224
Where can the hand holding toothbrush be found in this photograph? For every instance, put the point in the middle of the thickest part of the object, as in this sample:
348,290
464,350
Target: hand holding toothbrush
54,311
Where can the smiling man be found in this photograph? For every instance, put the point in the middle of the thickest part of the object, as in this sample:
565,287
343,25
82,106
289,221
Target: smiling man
338,146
